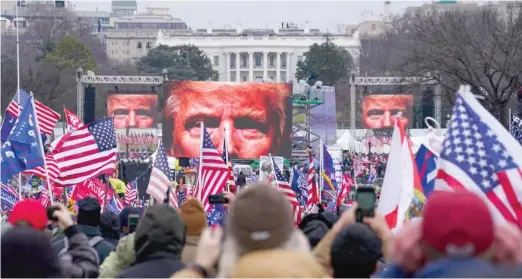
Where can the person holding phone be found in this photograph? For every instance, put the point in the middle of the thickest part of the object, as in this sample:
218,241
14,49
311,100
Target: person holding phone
27,252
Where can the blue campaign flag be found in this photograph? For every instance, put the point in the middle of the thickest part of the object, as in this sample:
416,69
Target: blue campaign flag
216,215
10,119
300,186
23,149
9,199
328,169
426,162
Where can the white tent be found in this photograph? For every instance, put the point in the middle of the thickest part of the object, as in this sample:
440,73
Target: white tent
170,160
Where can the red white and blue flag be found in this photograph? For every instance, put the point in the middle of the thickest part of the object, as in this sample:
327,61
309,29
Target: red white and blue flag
479,155
131,192
285,187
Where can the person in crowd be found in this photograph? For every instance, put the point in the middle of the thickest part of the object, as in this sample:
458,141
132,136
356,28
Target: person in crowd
88,221
28,213
344,238
124,219
252,226
133,110
110,227
159,240
241,179
315,226
27,252
255,116
193,215
452,243
122,257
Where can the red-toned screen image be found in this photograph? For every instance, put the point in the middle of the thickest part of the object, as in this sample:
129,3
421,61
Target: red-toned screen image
380,111
133,110
257,117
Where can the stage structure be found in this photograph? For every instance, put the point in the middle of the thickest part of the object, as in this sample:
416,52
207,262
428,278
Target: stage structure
304,99
356,81
83,80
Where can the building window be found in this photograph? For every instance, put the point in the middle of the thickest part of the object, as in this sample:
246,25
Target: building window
272,59
244,59
271,78
283,60
299,58
149,45
138,45
244,78
232,60
258,60
216,60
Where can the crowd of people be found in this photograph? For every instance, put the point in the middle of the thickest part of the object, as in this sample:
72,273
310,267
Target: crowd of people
258,239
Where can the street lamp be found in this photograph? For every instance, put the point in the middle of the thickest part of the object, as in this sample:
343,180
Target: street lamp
165,74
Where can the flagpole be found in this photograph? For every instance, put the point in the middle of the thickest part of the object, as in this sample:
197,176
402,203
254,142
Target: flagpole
509,121
18,87
321,162
273,166
200,184
38,135
226,155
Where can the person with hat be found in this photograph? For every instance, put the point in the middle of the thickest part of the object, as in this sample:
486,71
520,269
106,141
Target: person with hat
27,252
260,218
88,220
455,238
193,215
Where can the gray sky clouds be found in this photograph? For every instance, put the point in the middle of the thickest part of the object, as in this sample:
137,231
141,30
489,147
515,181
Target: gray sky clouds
260,14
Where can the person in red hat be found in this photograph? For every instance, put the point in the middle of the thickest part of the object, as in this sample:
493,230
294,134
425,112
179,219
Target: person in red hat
29,213
454,239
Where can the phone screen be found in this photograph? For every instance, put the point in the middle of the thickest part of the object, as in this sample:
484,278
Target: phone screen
365,200
133,222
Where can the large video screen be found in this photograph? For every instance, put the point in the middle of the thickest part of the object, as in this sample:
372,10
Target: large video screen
380,111
133,110
257,118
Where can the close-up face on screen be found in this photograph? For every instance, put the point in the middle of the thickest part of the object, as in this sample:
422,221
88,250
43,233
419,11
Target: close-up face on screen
133,110
256,118
380,111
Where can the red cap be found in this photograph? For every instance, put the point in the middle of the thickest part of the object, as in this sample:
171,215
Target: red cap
457,224
30,211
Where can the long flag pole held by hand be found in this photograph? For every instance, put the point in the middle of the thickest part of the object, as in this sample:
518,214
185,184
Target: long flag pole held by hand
42,150
18,86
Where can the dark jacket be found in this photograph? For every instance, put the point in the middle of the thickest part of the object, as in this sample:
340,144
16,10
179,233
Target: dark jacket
159,240
110,227
103,248
315,226
241,180
31,255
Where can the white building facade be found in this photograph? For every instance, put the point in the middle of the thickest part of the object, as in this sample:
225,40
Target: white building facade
254,54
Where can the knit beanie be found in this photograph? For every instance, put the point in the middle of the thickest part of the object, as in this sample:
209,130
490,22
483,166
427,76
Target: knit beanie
193,215
260,218
89,211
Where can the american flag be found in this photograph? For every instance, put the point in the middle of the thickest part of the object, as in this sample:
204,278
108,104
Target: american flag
86,152
47,117
515,128
75,207
52,167
131,192
44,197
284,186
359,167
160,178
374,141
346,185
214,172
480,156
231,179
313,191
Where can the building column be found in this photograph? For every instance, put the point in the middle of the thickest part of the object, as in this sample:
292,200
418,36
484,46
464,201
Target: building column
227,65
288,77
278,67
238,78
251,66
265,66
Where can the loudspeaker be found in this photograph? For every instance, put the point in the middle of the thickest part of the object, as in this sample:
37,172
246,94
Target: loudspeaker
184,162
89,104
131,171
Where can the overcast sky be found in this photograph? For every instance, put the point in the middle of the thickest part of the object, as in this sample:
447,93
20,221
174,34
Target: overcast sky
260,14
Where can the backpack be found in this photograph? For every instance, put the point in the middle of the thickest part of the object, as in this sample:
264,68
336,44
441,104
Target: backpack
92,242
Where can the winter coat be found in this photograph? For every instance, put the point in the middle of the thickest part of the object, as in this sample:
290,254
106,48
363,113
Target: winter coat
159,241
110,227
31,255
315,226
103,248
444,268
121,258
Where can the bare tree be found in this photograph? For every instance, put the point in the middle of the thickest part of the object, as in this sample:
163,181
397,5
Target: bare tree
481,48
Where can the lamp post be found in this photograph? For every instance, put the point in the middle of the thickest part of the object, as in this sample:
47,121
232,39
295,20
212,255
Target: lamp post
79,93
